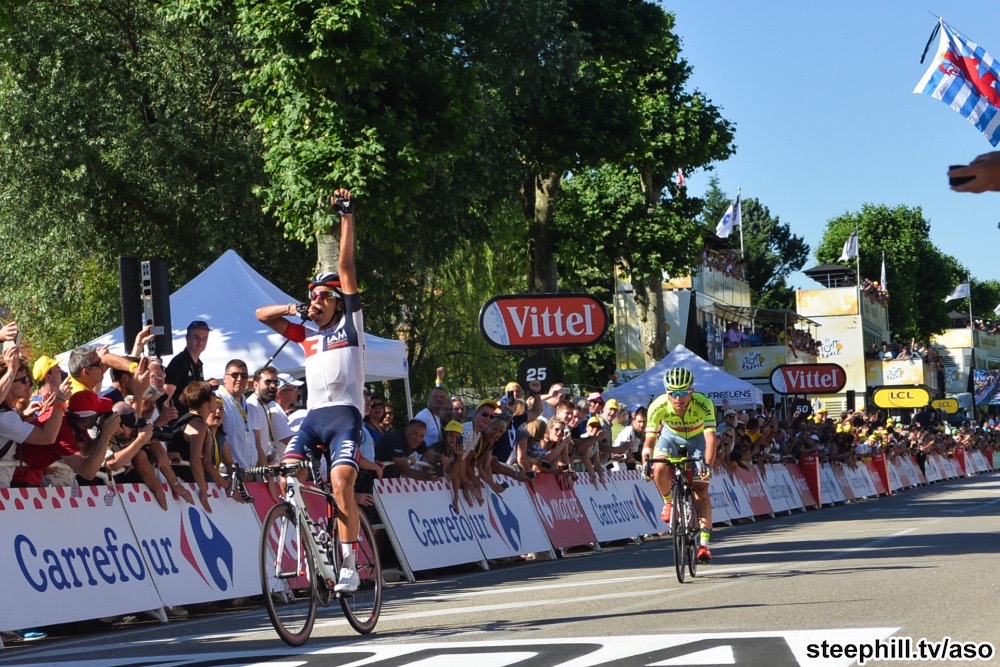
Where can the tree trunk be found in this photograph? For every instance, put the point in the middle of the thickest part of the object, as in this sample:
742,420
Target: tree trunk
648,294
327,251
540,198
648,291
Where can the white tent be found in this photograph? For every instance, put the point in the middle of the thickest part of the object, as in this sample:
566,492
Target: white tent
710,380
226,296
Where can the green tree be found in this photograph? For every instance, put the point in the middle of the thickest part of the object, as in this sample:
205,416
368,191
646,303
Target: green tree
629,211
919,275
122,136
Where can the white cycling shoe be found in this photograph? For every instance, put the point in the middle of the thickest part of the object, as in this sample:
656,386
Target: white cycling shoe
348,582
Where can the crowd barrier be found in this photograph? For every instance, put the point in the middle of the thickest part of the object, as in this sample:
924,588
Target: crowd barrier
98,551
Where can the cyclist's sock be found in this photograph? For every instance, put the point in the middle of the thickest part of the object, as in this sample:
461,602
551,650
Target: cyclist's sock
705,536
347,551
668,498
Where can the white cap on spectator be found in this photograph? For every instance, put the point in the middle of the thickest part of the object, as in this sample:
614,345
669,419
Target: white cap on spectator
285,380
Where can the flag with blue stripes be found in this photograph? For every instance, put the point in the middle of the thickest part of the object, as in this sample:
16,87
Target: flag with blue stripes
966,78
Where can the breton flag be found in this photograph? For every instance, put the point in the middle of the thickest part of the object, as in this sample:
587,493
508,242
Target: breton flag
850,248
966,78
960,292
733,217
883,281
997,309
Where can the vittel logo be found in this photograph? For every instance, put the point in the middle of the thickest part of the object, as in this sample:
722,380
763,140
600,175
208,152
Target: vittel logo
521,321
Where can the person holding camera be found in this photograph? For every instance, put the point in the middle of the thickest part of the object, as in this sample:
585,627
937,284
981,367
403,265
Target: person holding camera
15,431
334,346
133,451
75,444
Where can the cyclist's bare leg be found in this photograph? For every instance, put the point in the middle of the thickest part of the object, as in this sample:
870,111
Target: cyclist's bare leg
342,480
663,477
704,505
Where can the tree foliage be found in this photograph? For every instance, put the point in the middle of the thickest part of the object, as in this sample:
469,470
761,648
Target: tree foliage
121,136
919,276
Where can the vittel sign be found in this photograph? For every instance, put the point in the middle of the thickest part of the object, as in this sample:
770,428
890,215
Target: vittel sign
808,378
524,321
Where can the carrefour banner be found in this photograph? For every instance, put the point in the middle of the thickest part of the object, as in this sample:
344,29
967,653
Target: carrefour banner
195,556
68,556
612,514
430,532
506,524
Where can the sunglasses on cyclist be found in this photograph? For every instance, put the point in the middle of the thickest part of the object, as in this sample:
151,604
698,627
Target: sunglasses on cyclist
679,394
323,294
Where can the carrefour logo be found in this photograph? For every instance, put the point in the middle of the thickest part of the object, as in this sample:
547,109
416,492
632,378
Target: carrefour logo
451,529
645,506
734,498
505,523
206,548
75,566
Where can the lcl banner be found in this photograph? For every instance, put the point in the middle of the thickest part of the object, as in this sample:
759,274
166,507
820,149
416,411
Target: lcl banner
524,321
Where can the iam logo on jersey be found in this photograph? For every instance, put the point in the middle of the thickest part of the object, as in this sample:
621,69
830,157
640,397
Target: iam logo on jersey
645,506
505,523
207,550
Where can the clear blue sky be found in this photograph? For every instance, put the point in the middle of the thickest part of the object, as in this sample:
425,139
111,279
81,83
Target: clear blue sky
826,120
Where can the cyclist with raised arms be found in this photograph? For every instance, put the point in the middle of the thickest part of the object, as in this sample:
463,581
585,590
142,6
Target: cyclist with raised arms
335,374
682,416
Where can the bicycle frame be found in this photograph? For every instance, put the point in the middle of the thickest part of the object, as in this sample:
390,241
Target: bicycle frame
294,497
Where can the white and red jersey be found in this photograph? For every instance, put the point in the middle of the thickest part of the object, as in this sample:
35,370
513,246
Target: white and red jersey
335,358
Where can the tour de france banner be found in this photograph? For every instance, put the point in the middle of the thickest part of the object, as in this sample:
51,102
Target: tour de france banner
753,362
195,556
69,555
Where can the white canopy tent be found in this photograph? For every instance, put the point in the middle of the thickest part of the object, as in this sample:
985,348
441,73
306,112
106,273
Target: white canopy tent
226,296
718,385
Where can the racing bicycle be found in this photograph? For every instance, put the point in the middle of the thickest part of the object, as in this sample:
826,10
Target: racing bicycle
300,558
684,526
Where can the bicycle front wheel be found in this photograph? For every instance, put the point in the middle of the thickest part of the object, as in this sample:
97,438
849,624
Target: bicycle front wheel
679,531
288,574
363,606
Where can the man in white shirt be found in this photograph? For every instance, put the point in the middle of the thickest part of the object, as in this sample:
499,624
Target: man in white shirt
431,415
241,426
274,431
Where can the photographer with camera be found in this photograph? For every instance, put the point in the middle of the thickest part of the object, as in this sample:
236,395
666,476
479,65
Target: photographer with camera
79,448
133,451
15,431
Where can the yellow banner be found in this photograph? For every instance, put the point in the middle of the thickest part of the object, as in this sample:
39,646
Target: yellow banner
895,372
831,301
949,405
901,397
754,362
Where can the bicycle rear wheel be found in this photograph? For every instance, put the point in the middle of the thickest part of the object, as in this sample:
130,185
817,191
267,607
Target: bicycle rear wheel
363,606
692,529
679,531
287,579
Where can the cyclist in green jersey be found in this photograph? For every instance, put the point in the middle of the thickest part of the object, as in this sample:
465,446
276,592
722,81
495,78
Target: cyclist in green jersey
683,416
